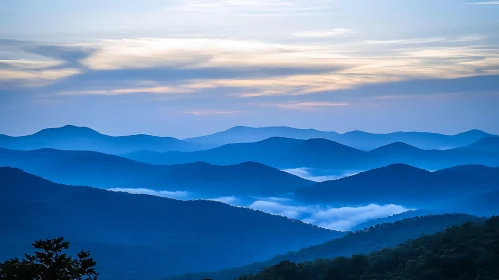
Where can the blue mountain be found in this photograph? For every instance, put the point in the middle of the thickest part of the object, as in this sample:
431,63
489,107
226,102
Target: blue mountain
405,185
108,171
286,153
356,139
83,138
140,236
244,134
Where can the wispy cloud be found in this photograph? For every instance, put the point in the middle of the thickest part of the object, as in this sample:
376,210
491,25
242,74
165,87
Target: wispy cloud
121,91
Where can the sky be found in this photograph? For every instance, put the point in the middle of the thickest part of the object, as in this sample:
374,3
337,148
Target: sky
185,68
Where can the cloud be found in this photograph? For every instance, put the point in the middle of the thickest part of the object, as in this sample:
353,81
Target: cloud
121,91
35,77
250,68
324,33
212,113
290,211
343,218
232,200
306,174
310,105
175,195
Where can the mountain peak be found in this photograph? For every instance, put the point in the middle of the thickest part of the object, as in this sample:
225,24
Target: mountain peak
475,132
397,146
72,129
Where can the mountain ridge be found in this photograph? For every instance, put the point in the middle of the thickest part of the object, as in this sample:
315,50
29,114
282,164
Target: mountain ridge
131,236
109,171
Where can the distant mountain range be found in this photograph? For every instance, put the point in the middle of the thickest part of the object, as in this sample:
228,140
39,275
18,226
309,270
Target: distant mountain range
82,138
85,139
108,171
357,139
287,153
406,185
140,236
361,242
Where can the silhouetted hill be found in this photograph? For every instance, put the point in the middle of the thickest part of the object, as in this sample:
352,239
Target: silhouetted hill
140,236
357,139
107,171
83,138
403,184
361,242
488,144
285,153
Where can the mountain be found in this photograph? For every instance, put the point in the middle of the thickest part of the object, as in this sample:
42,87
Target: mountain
356,139
276,152
83,138
243,134
466,251
488,144
404,185
423,140
361,242
140,236
108,171
322,154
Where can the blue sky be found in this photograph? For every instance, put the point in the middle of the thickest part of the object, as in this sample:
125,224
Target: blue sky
191,67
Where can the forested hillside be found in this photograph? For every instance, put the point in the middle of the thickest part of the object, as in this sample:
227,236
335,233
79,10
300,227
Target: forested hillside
469,251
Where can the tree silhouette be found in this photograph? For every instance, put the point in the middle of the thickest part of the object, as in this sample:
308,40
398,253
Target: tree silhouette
50,263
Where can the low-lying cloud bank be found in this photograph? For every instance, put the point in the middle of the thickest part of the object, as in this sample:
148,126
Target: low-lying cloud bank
175,195
309,174
339,218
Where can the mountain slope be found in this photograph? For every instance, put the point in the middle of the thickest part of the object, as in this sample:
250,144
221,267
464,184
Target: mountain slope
83,138
361,242
403,184
139,236
107,171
